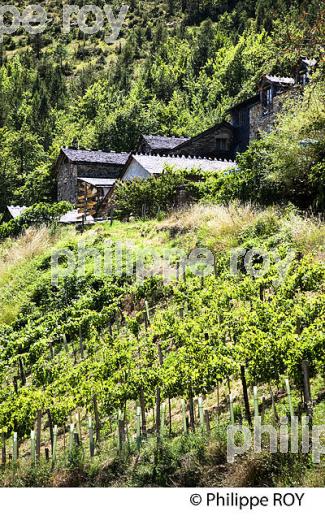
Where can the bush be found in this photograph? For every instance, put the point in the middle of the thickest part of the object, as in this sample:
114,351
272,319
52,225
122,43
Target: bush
38,214
150,196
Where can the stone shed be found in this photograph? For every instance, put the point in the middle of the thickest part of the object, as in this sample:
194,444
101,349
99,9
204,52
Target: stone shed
74,166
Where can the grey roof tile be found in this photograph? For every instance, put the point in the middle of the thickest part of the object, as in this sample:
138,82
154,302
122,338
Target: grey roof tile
162,142
282,81
309,62
156,164
16,211
96,157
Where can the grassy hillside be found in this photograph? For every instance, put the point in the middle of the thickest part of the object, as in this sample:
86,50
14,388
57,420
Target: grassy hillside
93,335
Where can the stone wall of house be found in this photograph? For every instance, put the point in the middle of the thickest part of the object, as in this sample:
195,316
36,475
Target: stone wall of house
262,119
206,145
68,173
67,182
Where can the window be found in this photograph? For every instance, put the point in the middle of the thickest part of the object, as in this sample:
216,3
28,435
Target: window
242,118
222,145
269,96
303,79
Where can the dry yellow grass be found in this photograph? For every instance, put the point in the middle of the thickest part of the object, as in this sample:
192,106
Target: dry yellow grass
219,219
214,226
32,243
16,269
308,234
220,226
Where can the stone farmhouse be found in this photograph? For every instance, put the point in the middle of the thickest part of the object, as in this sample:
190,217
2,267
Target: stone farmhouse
87,178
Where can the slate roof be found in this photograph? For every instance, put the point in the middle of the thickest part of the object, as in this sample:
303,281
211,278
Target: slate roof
162,142
279,80
16,211
95,157
156,164
309,62
100,183
192,140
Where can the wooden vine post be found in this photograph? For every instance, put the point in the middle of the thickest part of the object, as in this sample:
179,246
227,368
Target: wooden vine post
71,439
38,434
207,421
147,311
55,442
47,454
15,448
91,437
191,407
218,402
97,421
121,431
163,419
3,449
256,410
201,412
142,401
307,392
33,446
49,415
15,383
138,427
184,416
158,402
289,399
231,410
143,414
158,412
245,394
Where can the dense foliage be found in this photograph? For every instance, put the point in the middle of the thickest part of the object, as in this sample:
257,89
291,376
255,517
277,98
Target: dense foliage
176,69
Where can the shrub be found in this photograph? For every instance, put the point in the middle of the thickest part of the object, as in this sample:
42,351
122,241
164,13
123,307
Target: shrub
38,214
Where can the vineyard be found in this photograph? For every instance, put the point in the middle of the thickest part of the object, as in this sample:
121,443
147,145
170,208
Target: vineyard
103,366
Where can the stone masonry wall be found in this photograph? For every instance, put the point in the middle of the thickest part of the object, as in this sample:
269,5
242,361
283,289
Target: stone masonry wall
262,120
67,182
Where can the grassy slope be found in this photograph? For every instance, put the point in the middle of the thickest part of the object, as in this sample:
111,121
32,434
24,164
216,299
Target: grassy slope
217,228
183,462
